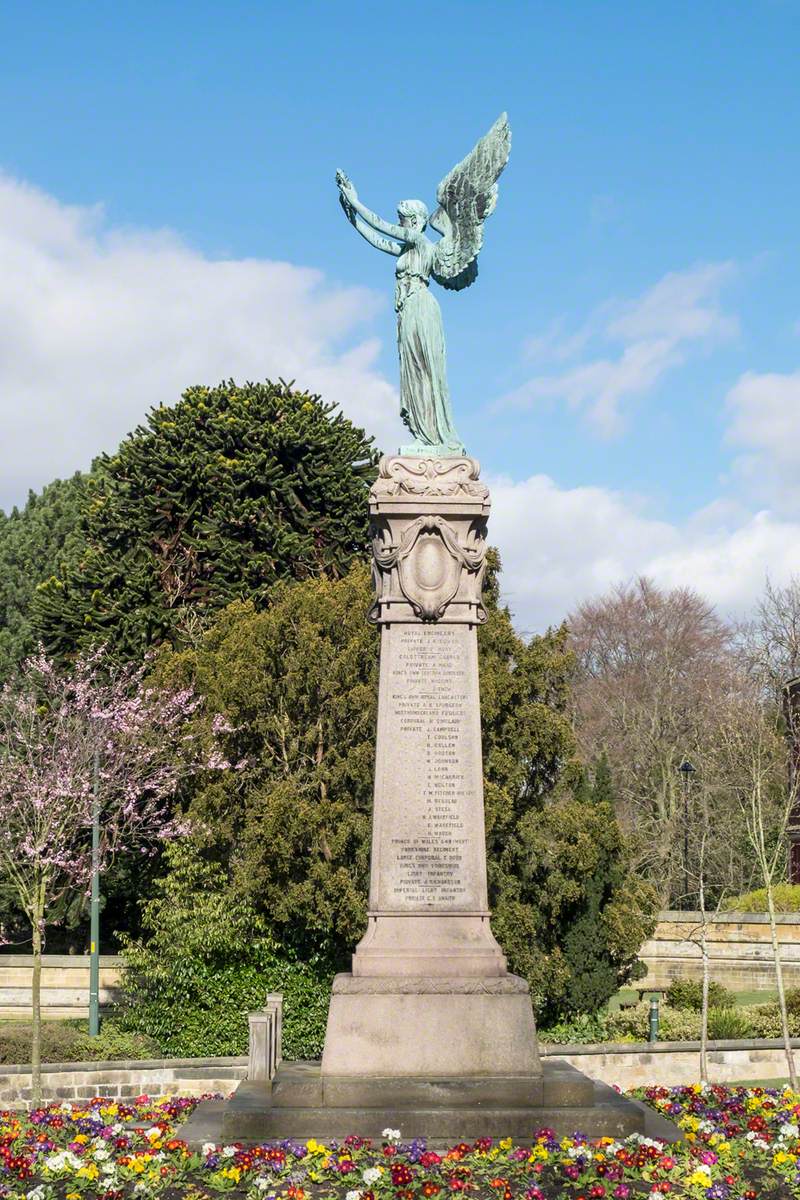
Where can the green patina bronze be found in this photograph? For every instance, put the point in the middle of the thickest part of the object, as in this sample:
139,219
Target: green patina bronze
466,197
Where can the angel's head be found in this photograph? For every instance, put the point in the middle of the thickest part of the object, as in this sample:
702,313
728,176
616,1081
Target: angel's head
413,214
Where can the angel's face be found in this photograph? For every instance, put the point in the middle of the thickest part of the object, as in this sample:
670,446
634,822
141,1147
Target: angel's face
408,220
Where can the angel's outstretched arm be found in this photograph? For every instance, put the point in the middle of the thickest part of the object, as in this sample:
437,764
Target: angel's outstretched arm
395,231
375,239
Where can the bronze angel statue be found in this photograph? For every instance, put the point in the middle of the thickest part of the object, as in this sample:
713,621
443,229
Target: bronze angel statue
466,197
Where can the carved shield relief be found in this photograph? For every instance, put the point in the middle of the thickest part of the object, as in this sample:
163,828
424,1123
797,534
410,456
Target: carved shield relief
429,573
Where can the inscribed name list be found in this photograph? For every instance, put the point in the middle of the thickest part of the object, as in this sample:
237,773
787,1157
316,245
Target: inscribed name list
431,825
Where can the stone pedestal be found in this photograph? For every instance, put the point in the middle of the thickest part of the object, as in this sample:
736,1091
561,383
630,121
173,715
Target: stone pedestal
429,993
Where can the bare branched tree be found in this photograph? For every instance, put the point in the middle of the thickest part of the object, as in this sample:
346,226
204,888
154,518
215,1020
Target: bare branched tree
751,763
644,657
770,640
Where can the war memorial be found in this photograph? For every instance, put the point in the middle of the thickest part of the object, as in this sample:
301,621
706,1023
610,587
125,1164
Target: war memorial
428,1032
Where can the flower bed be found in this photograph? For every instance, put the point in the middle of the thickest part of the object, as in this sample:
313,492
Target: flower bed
739,1144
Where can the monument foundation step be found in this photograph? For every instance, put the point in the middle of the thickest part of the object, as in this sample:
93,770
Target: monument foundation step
300,1104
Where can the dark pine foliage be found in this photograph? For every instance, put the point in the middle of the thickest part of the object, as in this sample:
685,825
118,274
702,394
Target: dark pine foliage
211,500
36,541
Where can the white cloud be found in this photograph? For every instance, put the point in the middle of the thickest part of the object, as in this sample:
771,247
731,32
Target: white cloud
764,413
98,324
561,545
656,333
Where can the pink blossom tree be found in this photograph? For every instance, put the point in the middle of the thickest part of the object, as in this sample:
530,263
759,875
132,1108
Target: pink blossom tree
60,732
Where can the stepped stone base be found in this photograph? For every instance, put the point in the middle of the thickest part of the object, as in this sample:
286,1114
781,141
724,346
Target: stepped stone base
301,1103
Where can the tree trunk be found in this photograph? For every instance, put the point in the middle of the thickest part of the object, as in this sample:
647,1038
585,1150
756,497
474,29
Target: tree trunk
36,1014
776,951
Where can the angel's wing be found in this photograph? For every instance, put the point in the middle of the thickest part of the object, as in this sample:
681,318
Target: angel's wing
467,196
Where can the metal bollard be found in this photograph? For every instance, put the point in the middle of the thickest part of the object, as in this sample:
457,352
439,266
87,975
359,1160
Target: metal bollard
653,1034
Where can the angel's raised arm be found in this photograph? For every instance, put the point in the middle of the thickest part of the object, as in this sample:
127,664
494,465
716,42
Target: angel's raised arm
375,239
395,231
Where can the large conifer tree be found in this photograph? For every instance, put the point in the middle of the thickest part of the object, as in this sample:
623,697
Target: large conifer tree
210,500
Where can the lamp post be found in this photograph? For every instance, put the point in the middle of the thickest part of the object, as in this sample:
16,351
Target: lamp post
687,771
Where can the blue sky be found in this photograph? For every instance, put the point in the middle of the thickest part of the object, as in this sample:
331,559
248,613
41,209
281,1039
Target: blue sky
625,367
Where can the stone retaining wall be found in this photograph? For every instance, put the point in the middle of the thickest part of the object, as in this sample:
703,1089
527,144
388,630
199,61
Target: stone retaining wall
123,1080
65,984
739,948
673,1063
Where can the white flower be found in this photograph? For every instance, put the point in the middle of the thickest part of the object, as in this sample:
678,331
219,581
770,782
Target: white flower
354,1195
62,1160
227,1151
371,1175
262,1183
789,1130
208,1148
391,1135
101,1154
117,1128
152,1134
36,1193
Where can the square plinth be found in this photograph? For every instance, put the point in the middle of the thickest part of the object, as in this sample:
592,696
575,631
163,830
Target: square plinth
430,1026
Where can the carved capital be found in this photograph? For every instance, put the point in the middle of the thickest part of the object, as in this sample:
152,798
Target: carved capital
398,475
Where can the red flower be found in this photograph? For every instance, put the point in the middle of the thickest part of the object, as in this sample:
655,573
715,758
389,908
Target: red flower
401,1174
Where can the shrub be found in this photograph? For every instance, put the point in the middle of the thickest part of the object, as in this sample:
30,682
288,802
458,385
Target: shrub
207,963
765,1021
583,1029
786,897
674,1024
728,1024
634,1022
793,1001
66,1041
688,993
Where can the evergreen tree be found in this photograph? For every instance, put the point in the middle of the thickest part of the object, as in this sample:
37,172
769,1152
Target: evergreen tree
215,498
595,933
36,542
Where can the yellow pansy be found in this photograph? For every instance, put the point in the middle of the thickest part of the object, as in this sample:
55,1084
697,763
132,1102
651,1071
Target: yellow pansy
506,1144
